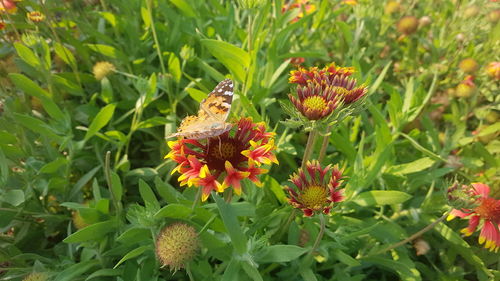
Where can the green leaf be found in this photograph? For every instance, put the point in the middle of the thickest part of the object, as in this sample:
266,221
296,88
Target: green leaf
174,67
116,187
153,122
145,17
132,254
279,253
345,258
228,216
134,235
185,7
251,271
53,166
105,272
106,50
102,118
232,57
381,197
4,168
27,55
65,54
175,211
38,126
14,197
412,167
83,181
76,270
196,94
167,191
148,195
32,89
232,271
92,232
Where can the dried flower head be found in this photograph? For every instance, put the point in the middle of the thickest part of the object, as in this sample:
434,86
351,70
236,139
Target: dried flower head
316,189
468,65
484,214
35,16
493,69
228,158
407,25
36,276
176,245
102,69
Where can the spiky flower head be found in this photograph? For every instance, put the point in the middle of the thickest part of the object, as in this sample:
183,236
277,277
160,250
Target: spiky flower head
461,196
225,160
493,69
36,276
102,69
468,65
407,25
176,245
484,215
35,16
316,189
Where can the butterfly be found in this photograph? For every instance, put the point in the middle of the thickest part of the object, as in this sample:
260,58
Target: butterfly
212,115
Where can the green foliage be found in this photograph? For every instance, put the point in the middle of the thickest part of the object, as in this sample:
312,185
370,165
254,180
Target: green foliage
85,188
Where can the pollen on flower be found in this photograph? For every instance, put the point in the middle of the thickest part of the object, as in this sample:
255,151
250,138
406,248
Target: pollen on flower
315,103
314,196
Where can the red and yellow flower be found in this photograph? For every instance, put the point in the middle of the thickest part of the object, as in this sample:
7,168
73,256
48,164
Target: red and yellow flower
493,69
303,5
320,91
316,189
8,6
35,16
484,215
225,160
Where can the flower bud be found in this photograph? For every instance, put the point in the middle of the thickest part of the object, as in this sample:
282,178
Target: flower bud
392,7
468,65
176,245
421,247
471,11
407,25
461,196
494,16
424,21
35,16
466,88
460,37
493,70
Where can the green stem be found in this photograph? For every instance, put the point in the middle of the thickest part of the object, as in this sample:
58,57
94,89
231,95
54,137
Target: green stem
414,236
320,234
324,144
155,37
309,147
196,199
188,271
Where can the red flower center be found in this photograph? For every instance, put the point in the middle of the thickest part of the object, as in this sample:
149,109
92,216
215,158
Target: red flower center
489,209
220,151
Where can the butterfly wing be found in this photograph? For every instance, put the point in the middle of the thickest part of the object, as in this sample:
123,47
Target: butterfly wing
217,105
212,115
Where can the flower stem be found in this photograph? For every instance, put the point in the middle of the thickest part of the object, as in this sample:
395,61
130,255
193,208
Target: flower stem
320,234
324,144
414,236
155,37
309,147
196,199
